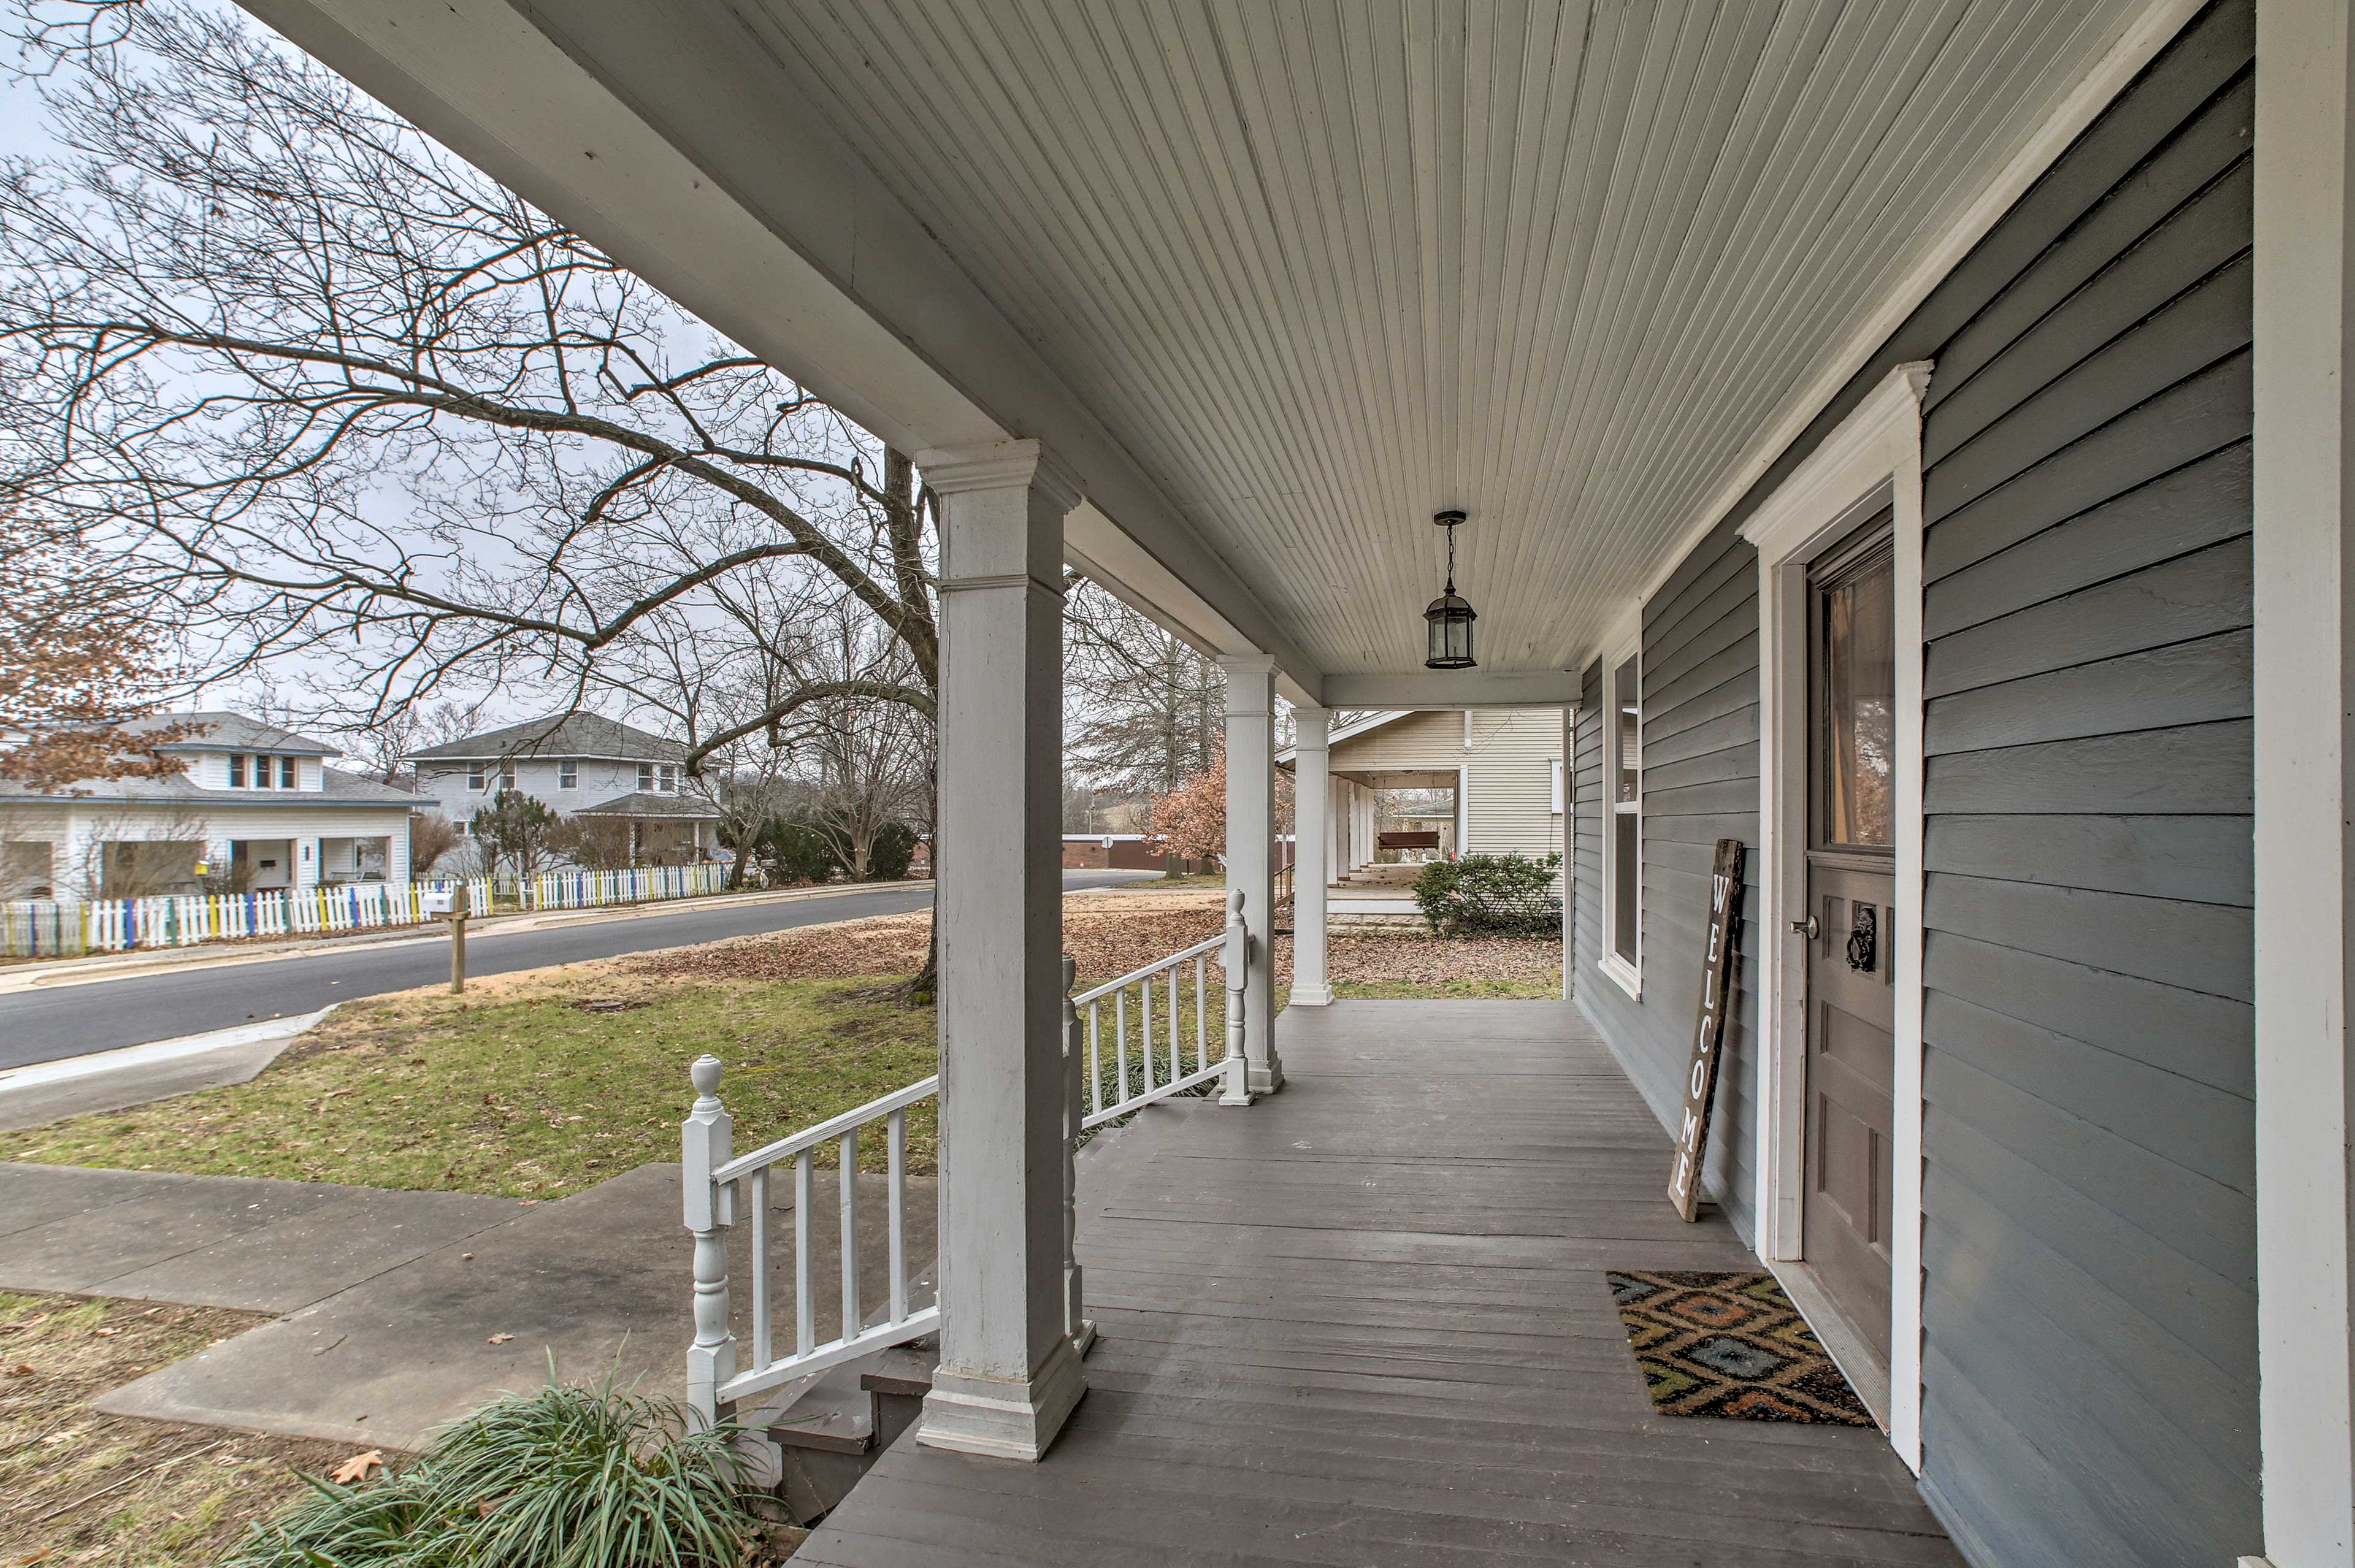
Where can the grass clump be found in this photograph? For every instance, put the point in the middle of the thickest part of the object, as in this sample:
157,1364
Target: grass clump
561,1478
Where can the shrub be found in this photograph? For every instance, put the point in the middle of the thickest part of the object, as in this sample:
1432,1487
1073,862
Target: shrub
888,857
795,852
1491,895
564,1477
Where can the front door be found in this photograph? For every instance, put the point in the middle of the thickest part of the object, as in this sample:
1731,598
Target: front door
1851,877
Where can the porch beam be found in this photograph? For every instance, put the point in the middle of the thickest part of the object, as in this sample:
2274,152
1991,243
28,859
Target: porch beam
1008,1373
672,138
1429,689
2306,1399
1250,846
1312,798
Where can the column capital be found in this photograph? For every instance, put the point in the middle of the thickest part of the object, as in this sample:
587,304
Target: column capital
1251,684
1312,728
1000,465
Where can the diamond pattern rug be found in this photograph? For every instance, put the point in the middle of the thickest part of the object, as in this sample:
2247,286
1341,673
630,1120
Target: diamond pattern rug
1732,1346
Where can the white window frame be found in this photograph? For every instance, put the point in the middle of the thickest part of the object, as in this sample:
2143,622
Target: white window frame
1629,645
646,777
478,776
1874,459
1556,767
568,775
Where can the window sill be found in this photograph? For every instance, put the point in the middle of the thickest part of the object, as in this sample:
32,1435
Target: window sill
1625,975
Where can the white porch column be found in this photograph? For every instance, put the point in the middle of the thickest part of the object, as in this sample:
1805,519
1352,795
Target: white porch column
1312,802
1008,1374
1250,844
2303,479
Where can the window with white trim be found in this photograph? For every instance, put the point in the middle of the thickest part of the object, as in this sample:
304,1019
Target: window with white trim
645,775
568,775
475,777
1623,808
1557,786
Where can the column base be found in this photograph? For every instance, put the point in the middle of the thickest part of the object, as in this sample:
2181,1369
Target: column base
1265,1080
1005,1418
1311,996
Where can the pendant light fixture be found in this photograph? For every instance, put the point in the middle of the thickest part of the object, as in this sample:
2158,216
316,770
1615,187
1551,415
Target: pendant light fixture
1449,619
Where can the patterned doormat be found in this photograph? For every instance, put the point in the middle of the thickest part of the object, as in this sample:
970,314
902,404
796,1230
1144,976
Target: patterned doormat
1729,1345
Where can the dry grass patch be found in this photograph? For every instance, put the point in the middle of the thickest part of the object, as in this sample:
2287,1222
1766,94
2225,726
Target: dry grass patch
526,1086
76,1486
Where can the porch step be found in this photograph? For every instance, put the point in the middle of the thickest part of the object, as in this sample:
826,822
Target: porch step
841,1423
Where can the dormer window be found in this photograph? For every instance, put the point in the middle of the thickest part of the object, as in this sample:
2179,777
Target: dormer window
285,772
237,769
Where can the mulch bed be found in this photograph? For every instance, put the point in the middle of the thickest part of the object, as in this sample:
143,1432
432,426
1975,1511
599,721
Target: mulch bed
1109,934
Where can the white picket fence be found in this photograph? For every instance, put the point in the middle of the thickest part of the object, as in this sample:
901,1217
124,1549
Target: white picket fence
64,929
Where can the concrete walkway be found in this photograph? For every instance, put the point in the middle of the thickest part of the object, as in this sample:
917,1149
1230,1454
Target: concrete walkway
393,1299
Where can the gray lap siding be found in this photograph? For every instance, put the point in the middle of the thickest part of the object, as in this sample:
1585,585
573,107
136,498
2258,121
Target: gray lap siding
1699,784
2089,1293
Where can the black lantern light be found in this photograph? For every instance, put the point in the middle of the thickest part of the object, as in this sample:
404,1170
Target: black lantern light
1449,619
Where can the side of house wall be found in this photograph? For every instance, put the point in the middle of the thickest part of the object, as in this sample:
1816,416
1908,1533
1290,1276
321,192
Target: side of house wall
1509,789
1698,784
2090,1353
2089,1129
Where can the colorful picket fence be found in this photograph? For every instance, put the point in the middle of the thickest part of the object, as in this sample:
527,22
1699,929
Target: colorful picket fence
53,929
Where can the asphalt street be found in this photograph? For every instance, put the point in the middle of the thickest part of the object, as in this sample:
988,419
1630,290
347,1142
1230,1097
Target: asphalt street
50,1024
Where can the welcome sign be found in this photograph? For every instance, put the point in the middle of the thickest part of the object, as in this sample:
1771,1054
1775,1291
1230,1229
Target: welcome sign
1709,1033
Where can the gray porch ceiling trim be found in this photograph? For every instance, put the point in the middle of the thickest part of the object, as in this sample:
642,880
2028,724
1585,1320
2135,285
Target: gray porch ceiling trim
712,175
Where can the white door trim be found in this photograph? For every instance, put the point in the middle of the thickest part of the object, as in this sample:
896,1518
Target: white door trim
2305,429
1874,458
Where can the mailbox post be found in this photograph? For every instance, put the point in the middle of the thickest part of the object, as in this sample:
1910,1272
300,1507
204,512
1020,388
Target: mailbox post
451,904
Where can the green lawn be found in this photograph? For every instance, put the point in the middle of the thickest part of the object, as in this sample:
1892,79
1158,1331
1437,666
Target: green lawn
522,1090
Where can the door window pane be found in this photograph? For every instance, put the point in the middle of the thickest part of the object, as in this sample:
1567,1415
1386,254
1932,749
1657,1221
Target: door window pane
1860,705
1626,810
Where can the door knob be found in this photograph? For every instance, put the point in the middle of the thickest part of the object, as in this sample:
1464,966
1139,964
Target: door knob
1807,928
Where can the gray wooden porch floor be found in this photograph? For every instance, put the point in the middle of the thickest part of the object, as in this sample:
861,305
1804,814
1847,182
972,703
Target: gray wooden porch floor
1365,1322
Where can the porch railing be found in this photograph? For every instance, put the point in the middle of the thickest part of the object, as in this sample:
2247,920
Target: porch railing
718,1184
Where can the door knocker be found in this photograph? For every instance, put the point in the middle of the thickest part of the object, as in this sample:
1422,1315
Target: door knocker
1862,938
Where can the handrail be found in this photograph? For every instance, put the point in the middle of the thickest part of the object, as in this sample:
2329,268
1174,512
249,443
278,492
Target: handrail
1208,945
826,1131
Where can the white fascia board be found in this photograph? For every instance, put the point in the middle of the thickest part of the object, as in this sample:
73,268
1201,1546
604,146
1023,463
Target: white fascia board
1440,688
669,136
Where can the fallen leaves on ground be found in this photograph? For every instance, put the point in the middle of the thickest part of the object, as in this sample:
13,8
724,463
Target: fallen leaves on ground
1112,935
82,1486
498,1339
358,1467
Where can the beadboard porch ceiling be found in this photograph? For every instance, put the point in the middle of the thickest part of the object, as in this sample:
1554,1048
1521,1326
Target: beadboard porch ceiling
1279,281
1325,268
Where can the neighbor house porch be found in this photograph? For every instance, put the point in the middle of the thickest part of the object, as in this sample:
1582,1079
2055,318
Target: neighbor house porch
1366,1321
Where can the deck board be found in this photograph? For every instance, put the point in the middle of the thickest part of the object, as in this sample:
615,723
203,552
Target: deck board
1365,1323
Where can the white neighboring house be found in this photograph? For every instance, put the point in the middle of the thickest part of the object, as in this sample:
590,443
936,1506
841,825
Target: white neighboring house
1501,766
581,764
254,804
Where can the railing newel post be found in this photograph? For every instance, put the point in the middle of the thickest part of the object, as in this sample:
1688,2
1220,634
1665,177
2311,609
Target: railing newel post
706,1142
1237,957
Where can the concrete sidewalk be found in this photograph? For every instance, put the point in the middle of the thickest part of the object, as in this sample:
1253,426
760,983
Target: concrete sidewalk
394,1298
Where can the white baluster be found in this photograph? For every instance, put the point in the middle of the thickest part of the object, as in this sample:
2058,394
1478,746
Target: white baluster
849,1158
896,1158
1237,957
804,1294
706,1142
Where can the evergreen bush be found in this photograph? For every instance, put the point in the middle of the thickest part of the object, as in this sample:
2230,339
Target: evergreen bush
1491,895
